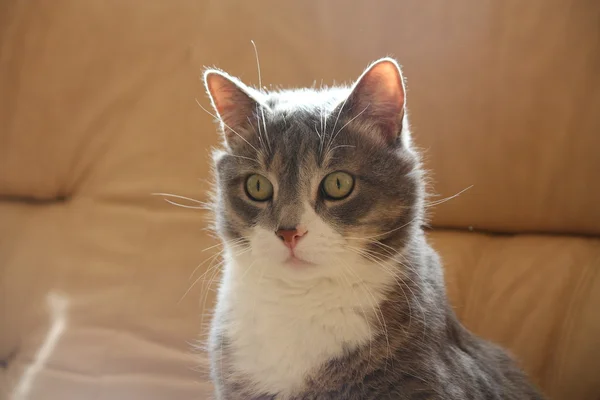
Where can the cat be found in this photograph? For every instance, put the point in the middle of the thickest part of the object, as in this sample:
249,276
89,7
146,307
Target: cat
329,288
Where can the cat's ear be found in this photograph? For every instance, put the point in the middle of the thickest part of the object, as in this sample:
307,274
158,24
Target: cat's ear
378,97
235,104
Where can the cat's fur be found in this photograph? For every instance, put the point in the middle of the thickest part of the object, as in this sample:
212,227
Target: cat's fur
370,318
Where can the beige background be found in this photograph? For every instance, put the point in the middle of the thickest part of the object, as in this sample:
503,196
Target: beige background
98,111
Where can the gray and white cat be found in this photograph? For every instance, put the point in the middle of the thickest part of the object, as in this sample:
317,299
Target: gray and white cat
330,290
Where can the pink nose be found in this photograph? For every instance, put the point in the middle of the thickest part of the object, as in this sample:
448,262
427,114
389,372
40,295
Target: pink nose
290,237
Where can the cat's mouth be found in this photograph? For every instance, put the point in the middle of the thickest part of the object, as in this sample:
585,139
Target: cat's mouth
297,262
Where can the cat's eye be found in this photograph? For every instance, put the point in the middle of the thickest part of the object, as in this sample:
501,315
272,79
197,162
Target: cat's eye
337,185
259,188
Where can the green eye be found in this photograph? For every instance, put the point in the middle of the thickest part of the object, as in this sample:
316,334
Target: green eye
337,185
259,188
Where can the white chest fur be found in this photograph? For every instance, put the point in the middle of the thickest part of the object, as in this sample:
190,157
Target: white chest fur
280,331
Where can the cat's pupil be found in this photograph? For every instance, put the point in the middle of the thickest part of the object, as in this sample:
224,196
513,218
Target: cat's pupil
338,183
258,185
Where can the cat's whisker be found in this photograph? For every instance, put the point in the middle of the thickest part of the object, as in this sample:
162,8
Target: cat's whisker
225,242
258,134
384,233
214,274
211,268
390,251
337,147
346,124
254,160
261,137
409,267
438,202
336,120
367,320
392,256
248,267
377,257
258,282
174,203
317,131
320,136
204,262
325,117
177,197
210,259
264,122
238,243
321,121
201,205
262,109
378,312
416,299
396,277
393,253
257,64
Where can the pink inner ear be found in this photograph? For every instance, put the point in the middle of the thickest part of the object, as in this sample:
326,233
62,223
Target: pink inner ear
382,85
215,88
231,102
379,96
222,91
387,83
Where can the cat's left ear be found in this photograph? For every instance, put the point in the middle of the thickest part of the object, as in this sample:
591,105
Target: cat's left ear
236,105
378,98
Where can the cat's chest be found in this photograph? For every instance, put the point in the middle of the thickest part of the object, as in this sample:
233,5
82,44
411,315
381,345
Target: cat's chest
278,338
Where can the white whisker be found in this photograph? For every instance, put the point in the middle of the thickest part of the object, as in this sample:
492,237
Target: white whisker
184,206
438,202
346,124
376,257
378,312
212,259
367,319
178,197
262,109
397,278
337,118
258,134
323,129
317,131
337,147
247,269
228,242
384,233
254,160
257,64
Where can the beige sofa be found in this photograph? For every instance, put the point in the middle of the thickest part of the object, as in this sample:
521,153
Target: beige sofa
98,111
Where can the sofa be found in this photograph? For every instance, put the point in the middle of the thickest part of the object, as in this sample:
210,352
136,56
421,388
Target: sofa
107,267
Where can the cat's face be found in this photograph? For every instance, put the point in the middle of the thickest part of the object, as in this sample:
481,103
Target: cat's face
314,180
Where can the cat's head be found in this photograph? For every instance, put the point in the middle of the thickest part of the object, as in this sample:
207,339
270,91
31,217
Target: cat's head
311,181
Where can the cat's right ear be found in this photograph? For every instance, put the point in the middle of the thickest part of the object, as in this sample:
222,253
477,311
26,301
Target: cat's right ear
378,97
234,103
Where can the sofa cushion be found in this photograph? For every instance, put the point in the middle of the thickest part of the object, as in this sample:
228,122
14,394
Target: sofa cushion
131,331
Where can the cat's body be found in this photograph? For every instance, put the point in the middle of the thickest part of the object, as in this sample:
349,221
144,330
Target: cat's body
330,290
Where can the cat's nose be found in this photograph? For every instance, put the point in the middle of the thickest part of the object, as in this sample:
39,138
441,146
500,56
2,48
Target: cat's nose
290,237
